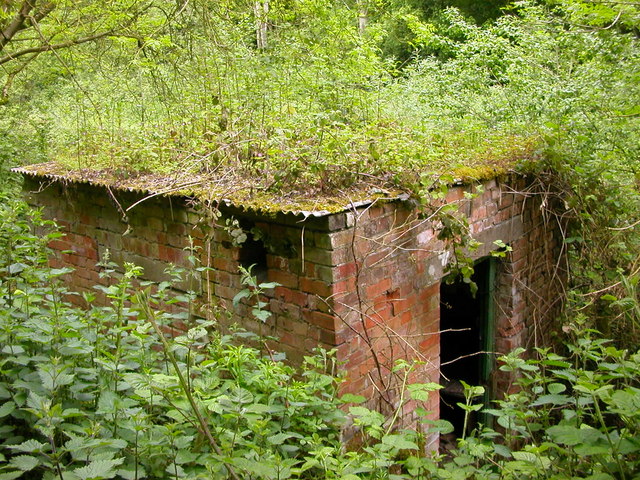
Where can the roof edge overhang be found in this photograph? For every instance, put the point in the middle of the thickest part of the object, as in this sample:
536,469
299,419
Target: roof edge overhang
173,187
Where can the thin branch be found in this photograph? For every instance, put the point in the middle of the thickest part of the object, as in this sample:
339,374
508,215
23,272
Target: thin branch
165,192
12,75
633,225
56,46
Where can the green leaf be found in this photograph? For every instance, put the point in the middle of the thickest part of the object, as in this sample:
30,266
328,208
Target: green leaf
15,268
399,442
599,476
259,469
130,473
351,398
98,469
470,408
175,470
7,408
421,391
565,434
261,408
12,349
552,399
364,416
24,462
586,450
241,395
262,315
280,438
11,475
525,456
555,388
441,426
240,295
626,402
502,450
30,446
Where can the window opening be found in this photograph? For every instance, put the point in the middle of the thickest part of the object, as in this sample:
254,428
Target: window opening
466,325
253,252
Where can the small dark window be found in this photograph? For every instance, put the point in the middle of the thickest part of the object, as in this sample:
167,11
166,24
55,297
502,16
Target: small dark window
253,254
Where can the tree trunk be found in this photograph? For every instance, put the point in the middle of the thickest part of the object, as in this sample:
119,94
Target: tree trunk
261,11
363,16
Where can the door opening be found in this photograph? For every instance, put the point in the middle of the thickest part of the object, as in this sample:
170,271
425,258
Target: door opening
466,325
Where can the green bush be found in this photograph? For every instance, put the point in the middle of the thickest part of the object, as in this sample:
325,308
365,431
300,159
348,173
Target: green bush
105,392
574,416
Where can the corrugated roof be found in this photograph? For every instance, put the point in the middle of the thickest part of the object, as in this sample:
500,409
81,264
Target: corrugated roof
230,192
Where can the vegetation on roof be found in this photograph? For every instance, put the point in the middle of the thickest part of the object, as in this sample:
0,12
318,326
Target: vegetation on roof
184,88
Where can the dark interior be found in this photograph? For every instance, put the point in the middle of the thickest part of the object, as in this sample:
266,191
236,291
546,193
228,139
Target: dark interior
254,253
463,326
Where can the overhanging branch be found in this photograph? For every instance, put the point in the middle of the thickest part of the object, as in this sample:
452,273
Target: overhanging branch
56,46
16,24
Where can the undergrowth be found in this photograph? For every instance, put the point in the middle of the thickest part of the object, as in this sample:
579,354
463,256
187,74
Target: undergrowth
108,393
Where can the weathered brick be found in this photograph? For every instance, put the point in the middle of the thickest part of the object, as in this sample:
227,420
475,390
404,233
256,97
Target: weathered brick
291,296
345,286
345,270
286,279
315,287
225,264
322,273
319,319
379,288
154,223
319,256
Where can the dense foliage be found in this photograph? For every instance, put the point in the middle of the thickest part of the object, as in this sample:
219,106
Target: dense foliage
326,105
322,104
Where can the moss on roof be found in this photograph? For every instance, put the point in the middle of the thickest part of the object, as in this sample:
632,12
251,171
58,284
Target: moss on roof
328,187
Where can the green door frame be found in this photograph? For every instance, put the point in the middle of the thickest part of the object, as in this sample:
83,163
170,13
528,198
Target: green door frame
487,362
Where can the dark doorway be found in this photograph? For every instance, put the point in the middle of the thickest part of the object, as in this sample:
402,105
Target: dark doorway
466,323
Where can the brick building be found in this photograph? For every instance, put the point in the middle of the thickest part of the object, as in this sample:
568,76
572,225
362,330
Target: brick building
367,280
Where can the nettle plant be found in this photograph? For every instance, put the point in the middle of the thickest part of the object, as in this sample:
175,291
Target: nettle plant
113,392
106,393
574,416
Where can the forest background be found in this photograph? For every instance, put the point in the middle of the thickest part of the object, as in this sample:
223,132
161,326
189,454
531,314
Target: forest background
315,96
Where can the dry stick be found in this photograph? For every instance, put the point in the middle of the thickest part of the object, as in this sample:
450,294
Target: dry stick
166,191
481,352
204,428
119,207
635,224
365,333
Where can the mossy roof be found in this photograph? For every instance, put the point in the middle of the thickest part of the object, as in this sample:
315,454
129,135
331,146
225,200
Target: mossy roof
252,191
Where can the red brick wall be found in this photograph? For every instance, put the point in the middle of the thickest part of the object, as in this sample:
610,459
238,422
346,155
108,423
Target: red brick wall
364,281
390,309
